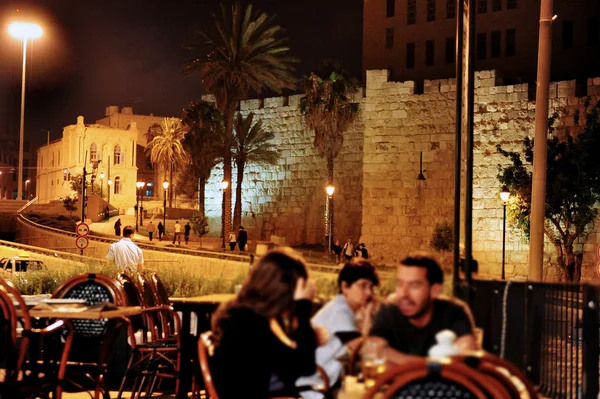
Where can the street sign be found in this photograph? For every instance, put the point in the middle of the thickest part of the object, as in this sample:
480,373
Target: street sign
83,229
81,242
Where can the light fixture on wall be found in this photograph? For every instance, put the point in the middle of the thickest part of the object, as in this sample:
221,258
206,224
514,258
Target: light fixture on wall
421,176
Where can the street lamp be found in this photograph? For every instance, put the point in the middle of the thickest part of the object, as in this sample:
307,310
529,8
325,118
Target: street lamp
142,189
23,31
224,185
139,185
102,185
165,186
27,187
109,182
504,194
329,189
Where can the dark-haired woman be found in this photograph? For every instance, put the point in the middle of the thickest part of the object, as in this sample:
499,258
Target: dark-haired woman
264,337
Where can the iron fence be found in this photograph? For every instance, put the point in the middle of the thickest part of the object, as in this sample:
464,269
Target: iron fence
550,331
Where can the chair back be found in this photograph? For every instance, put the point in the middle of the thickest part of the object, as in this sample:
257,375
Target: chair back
133,298
206,348
159,290
8,343
432,378
24,318
95,289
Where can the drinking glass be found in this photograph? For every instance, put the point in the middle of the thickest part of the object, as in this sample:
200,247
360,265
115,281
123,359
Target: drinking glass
372,361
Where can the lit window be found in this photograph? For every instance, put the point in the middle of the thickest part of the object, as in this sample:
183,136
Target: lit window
118,155
117,184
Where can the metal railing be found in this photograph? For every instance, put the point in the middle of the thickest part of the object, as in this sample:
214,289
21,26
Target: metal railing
27,205
550,331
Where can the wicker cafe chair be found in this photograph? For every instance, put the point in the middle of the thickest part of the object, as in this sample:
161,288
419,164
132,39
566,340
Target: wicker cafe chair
93,339
444,379
158,354
33,377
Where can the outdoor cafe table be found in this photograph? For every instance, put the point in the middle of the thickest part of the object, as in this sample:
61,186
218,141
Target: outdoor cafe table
203,307
90,314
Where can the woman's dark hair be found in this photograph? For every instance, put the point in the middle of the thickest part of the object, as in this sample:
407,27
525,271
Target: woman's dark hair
356,269
435,275
269,289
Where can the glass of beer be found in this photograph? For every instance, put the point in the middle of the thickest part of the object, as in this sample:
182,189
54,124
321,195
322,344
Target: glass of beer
372,361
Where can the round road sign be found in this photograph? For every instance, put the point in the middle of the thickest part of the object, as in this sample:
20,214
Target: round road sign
81,242
83,229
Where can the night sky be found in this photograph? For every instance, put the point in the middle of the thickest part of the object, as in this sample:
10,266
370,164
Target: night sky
131,53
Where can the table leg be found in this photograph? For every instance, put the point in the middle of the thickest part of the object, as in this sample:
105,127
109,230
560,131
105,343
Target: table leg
185,372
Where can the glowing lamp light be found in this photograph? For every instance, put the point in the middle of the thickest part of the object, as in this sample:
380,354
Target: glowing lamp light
330,189
109,182
165,184
27,181
24,30
140,184
224,184
102,175
504,194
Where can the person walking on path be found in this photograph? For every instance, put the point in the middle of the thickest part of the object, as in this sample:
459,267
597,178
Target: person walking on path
118,228
348,249
232,240
364,253
186,234
151,230
125,255
177,234
337,250
161,231
242,238
106,213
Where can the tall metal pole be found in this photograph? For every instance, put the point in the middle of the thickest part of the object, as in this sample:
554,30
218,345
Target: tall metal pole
329,201
137,207
83,195
503,239
458,140
540,146
107,180
223,221
22,126
142,206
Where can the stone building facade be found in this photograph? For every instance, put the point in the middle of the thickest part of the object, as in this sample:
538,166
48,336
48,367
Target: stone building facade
379,199
112,149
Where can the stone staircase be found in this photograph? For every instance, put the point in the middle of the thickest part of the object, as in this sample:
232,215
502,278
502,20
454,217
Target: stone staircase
11,206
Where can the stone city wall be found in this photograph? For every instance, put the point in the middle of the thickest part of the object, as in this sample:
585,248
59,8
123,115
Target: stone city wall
400,211
288,199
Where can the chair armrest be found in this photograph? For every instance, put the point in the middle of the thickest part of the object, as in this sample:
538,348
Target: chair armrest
56,326
166,309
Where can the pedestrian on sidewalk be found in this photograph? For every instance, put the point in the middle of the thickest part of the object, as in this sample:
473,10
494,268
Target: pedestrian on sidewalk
125,255
242,238
232,240
177,234
118,228
186,234
161,231
151,230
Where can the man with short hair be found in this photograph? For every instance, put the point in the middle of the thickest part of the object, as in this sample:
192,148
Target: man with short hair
186,233
127,256
409,324
151,230
177,234
339,317
242,238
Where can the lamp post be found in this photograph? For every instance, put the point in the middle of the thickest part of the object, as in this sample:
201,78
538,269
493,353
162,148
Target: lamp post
109,182
102,185
329,189
504,194
224,185
23,31
27,188
165,186
142,189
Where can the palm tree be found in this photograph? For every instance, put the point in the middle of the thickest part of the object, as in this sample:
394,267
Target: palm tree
328,109
244,53
251,144
165,147
203,143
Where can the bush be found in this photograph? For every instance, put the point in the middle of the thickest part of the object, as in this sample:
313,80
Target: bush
443,237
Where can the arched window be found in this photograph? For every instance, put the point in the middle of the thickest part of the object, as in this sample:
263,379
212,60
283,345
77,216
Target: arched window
93,152
118,156
118,185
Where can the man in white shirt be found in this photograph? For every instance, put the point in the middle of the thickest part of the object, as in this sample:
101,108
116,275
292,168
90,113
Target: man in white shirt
339,316
177,235
127,256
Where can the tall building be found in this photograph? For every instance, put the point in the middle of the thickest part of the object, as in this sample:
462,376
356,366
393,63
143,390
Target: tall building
9,164
415,39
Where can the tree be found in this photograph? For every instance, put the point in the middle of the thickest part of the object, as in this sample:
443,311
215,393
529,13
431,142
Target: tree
243,53
165,148
76,183
70,205
203,144
328,109
572,185
251,144
199,223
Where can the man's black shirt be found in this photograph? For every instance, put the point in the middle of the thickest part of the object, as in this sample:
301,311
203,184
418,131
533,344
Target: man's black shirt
396,329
